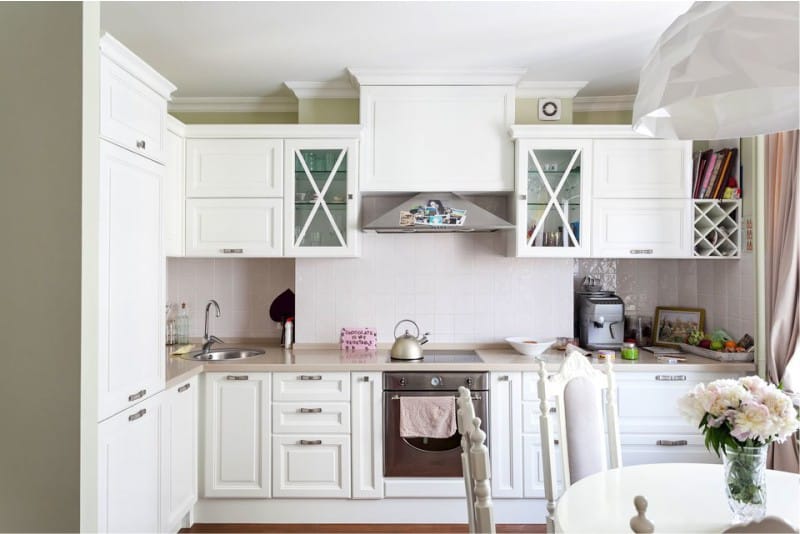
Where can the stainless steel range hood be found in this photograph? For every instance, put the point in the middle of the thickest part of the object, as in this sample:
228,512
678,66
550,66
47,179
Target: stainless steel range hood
476,218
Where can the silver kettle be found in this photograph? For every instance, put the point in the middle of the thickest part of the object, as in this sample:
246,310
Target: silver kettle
408,347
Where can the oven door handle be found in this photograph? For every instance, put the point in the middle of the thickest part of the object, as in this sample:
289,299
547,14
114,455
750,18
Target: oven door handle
397,397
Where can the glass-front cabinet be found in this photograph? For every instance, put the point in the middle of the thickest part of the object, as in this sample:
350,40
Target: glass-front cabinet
553,197
320,197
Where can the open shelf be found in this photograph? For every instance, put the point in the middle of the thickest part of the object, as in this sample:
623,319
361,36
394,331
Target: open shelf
717,228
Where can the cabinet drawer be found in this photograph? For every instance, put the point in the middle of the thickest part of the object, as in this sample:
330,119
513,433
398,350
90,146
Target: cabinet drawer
311,466
641,228
240,227
131,114
321,417
642,168
534,467
234,168
665,448
530,417
311,386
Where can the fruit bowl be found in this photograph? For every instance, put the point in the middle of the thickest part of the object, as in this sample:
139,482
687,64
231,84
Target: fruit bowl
529,346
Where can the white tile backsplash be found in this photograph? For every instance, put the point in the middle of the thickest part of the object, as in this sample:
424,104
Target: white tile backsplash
461,288
244,289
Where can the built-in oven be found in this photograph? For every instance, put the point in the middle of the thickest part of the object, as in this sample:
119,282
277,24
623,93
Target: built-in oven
427,457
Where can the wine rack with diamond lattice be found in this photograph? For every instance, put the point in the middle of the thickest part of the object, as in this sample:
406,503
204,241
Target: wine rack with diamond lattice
717,228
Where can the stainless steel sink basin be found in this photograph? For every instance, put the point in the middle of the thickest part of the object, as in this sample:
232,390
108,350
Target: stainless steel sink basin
217,355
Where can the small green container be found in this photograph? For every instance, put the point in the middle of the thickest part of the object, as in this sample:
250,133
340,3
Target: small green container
630,351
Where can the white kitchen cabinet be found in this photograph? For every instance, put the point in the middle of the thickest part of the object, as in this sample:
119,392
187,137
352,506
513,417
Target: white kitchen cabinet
311,466
554,197
130,276
321,201
319,417
237,423
505,434
174,204
534,467
234,168
642,228
234,227
133,101
664,447
437,138
311,386
367,439
179,440
128,469
642,168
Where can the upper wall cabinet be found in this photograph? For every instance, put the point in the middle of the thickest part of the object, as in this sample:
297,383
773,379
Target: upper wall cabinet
174,189
642,168
233,168
133,101
437,138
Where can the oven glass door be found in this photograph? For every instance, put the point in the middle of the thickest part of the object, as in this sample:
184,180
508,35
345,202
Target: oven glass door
423,457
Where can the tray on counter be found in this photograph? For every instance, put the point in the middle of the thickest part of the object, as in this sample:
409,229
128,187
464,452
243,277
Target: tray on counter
717,355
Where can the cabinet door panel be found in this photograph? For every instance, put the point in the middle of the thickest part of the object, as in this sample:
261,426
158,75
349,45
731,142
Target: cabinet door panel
131,270
174,197
505,432
367,422
179,454
642,228
234,168
534,467
128,469
131,114
240,227
665,448
237,429
642,168
304,387
321,417
311,466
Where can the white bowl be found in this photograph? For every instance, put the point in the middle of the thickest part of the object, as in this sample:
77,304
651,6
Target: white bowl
530,346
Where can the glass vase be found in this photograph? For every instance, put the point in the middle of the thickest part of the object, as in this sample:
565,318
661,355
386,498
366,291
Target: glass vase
745,482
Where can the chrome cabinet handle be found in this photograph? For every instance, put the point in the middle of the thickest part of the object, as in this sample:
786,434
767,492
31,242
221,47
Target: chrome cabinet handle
141,144
237,377
523,197
504,378
310,410
671,378
138,395
553,409
671,443
137,415
310,377
555,442
232,250
365,379
641,251
349,196
310,442
184,388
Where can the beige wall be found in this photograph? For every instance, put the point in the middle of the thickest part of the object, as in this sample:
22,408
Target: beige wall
40,234
602,117
236,117
328,111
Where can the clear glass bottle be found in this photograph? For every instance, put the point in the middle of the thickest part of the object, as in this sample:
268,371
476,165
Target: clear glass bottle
182,325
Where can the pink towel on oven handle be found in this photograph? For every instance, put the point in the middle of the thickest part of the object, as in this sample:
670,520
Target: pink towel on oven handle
427,417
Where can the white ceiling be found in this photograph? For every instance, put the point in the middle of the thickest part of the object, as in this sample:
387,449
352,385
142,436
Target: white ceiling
231,49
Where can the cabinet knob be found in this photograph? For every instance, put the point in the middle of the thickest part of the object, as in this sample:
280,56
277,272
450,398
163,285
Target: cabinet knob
365,379
237,377
184,388
136,396
504,378
310,442
310,377
310,410
137,415
232,250
349,196
141,144
523,197
641,251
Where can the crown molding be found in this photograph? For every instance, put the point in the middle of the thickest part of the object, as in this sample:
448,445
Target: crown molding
366,76
531,89
603,103
135,66
294,131
324,90
237,104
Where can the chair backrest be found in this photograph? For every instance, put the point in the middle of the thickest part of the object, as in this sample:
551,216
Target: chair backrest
577,390
475,464
769,524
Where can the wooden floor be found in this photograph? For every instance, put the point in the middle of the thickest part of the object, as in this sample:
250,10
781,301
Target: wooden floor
356,528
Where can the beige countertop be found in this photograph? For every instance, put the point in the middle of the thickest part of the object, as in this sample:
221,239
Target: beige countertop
331,359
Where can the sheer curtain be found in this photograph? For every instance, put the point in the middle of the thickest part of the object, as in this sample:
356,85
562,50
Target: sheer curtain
782,225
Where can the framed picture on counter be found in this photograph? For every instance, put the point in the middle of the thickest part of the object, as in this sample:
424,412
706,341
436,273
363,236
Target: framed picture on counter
672,325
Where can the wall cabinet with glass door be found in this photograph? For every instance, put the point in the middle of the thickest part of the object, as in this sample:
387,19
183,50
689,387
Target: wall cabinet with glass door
320,200
553,194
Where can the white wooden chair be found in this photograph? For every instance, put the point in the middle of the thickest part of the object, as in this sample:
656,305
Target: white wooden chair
475,466
577,390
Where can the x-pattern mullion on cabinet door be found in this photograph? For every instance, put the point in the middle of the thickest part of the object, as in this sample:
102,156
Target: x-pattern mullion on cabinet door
553,196
320,202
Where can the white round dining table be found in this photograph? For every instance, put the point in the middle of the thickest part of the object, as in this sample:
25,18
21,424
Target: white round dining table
681,498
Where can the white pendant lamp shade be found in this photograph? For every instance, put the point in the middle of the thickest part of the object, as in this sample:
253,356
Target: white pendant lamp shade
723,70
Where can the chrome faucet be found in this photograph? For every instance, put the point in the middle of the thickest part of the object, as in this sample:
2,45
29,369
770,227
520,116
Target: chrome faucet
210,340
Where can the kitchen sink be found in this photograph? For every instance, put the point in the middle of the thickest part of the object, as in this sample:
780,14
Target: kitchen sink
218,355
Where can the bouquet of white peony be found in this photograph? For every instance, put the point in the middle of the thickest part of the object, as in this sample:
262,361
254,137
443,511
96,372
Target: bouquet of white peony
747,412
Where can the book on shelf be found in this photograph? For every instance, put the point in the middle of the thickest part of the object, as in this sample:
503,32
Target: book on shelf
714,174
710,162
